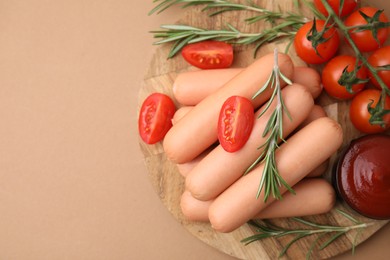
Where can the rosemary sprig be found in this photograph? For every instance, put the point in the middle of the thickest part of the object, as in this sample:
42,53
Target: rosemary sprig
221,6
266,229
271,179
181,35
284,25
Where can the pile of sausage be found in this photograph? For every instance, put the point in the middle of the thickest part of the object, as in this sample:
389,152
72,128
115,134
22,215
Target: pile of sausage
215,188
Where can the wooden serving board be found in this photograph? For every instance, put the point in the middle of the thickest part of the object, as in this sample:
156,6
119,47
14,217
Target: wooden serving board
169,184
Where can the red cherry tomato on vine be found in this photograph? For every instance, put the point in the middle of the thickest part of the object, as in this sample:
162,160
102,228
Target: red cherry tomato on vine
332,72
348,7
208,54
380,57
359,115
365,40
155,117
235,123
325,50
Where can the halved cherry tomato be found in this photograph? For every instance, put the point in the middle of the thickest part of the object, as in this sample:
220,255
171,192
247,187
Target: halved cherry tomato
365,40
235,123
332,72
378,58
155,117
208,54
359,115
348,7
325,50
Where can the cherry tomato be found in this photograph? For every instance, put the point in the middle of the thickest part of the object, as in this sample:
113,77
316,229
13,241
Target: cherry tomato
332,72
360,116
348,7
365,40
380,57
208,54
235,123
155,117
325,50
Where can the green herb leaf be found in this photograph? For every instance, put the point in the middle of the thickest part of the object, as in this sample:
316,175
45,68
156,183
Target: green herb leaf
271,180
266,230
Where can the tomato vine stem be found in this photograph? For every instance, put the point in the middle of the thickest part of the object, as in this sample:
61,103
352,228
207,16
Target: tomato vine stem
380,106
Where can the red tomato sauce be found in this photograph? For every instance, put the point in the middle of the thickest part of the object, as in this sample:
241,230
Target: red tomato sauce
362,176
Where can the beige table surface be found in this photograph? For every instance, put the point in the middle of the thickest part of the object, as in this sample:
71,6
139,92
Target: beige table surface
72,181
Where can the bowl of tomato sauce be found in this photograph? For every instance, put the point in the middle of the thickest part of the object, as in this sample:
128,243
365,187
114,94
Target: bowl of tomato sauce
362,176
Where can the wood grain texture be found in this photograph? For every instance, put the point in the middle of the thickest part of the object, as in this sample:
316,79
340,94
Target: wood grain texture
169,184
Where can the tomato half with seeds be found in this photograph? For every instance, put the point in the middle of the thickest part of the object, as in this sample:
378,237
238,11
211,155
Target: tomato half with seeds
155,117
359,115
365,40
348,7
380,58
333,71
235,123
208,54
324,51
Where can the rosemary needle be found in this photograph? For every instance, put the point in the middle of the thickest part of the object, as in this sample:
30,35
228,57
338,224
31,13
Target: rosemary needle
265,229
271,181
